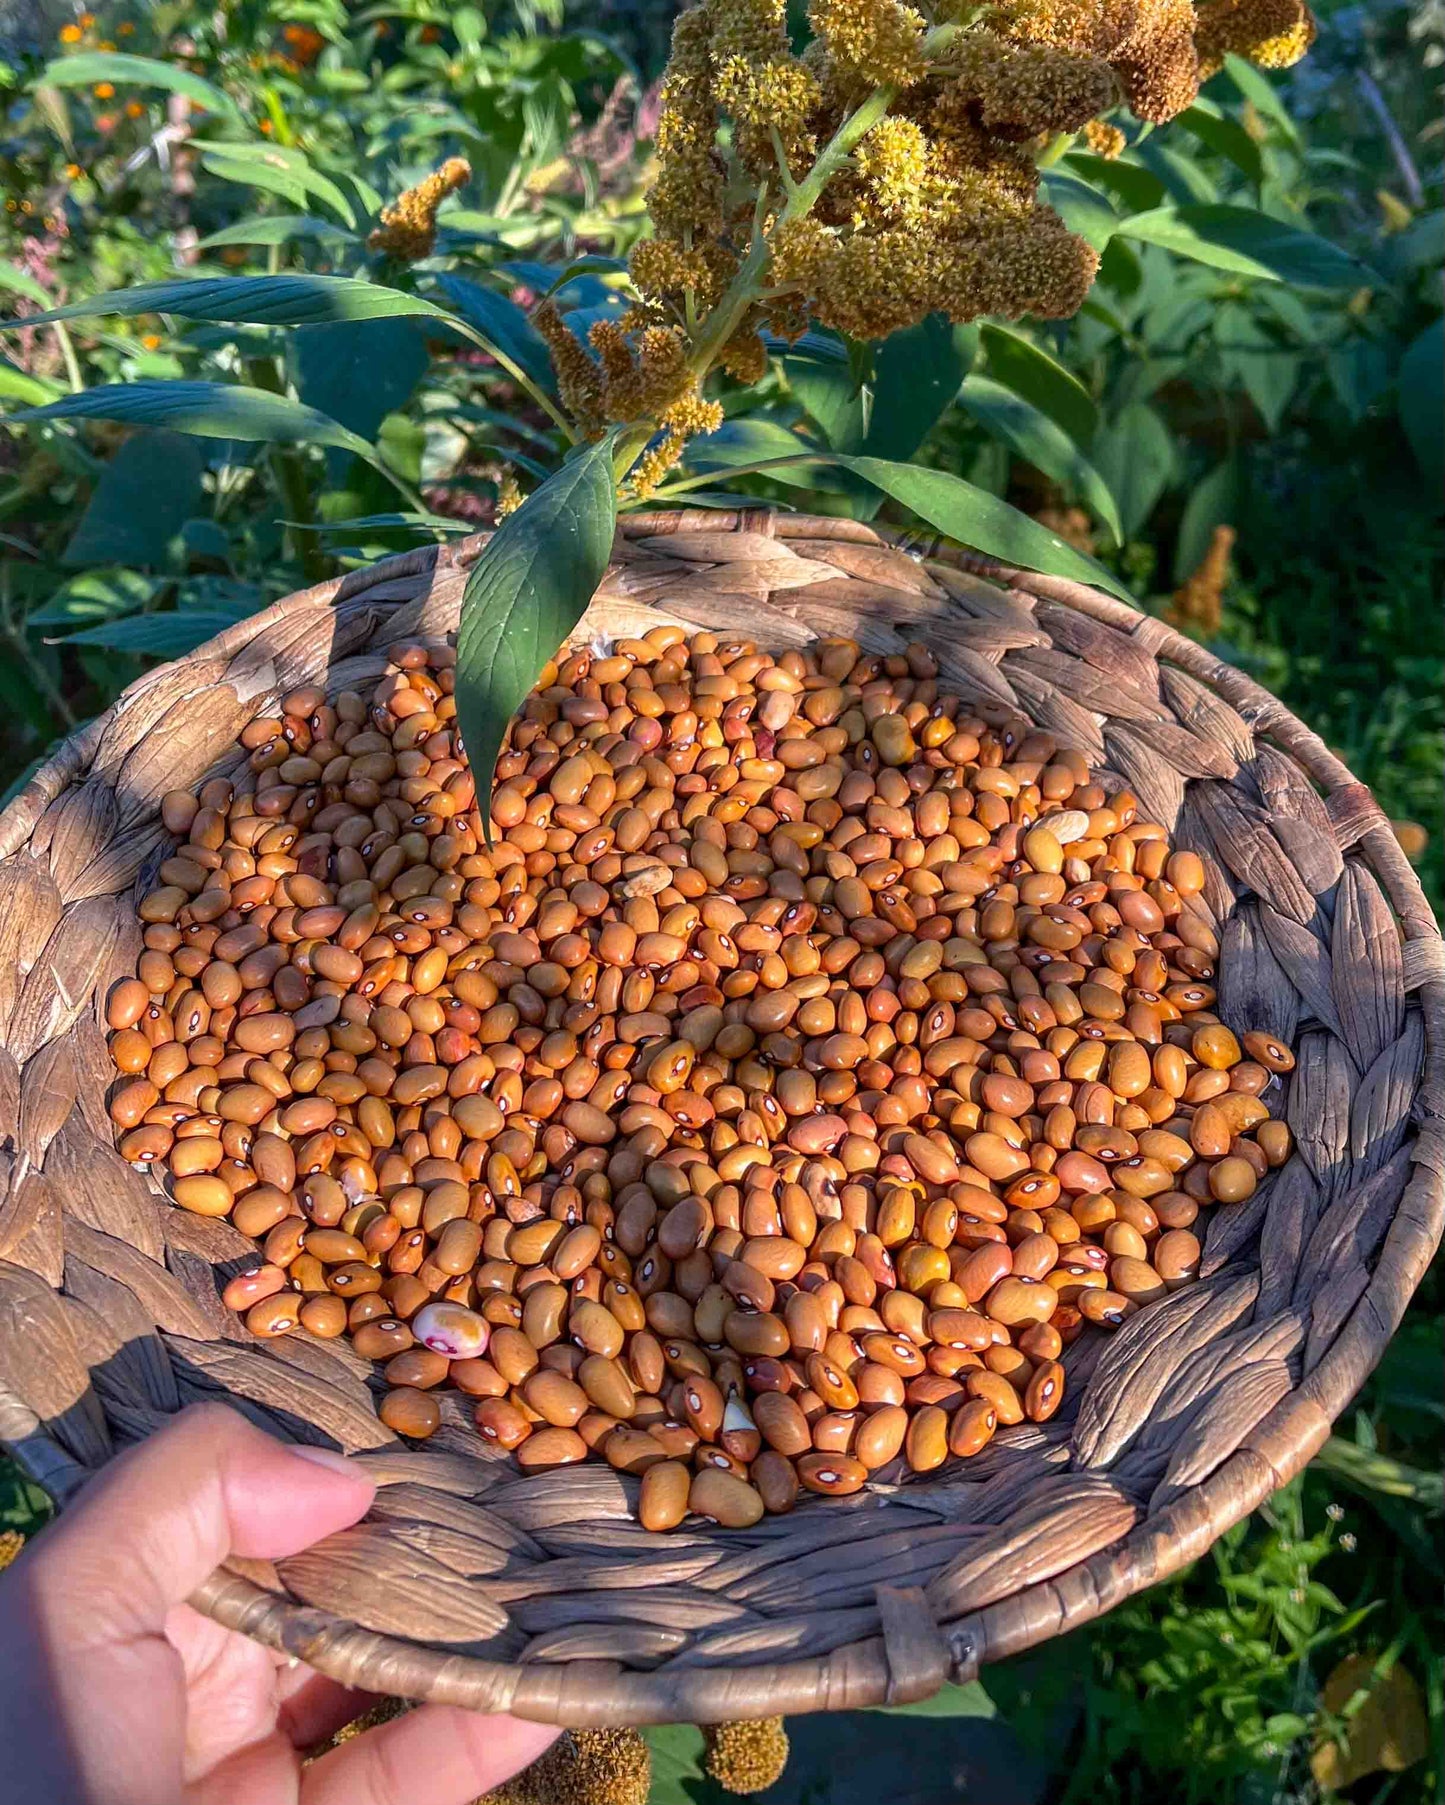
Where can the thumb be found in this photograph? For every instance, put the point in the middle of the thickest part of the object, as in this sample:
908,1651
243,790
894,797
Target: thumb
92,1694
162,1517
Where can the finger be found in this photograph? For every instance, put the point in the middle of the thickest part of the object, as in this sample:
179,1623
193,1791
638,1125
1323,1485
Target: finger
161,1518
312,1707
230,1686
94,1596
438,1755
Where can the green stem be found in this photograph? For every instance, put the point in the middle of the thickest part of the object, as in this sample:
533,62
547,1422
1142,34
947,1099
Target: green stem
518,375
67,352
290,474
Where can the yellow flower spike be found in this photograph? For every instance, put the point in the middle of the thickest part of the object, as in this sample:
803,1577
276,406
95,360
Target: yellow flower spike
748,1757
583,1767
408,228
1104,139
1199,601
509,494
1273,33
745,357
893,160
579,381
11,1542
1158,63
688,192
879,41
1026,88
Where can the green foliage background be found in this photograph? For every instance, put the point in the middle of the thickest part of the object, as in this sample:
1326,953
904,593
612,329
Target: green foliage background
1263,351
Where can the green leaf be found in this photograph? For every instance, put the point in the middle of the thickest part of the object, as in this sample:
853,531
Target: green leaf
949,1701
526,592
90,66
96,595
210,410
1081,207
360,372
1135,456
504,323
1180,174
1225,136
155,635
1020,365
975,518
250,301
1267,369
1041,442
278,228
1255,86
276,168
740,445
18,385
916,374
147,492
1214,502
677,1771
1422,403
1249,243
1138,188
833,398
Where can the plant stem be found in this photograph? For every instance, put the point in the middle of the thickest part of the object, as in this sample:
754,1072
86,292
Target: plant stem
290,474
747,285
67,352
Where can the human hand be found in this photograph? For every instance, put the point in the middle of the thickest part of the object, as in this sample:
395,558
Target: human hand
114,1691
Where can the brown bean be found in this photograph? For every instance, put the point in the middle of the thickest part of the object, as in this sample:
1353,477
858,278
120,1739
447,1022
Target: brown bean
724,1498
666,1489
805,1066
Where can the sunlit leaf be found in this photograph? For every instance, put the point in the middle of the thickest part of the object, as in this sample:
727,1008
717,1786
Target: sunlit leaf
1022,366
211,410
299,300
1042,442
980,520
525,594
88,67
1249,243
278,228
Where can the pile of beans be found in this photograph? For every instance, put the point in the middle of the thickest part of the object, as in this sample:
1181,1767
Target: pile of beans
804,1065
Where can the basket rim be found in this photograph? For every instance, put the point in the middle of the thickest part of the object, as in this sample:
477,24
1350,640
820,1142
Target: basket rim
913,1656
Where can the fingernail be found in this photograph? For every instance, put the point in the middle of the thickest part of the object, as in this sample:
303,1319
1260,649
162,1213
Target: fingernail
328,1457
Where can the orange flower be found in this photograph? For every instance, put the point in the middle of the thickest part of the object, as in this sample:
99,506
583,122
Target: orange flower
105,122
87,20
134,109
103,90
73,172
70,34
152,341
264,127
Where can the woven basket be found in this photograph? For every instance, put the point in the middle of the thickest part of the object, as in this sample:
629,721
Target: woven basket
473,1584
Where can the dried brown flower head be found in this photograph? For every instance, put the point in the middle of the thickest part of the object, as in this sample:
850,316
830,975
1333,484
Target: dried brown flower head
1272,33
747,1757
583,1767
408,228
